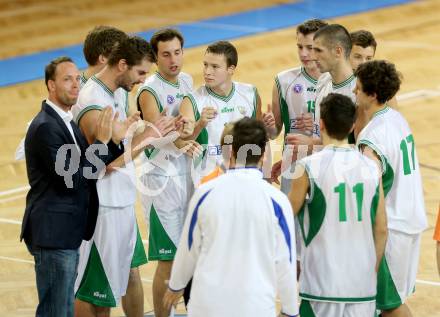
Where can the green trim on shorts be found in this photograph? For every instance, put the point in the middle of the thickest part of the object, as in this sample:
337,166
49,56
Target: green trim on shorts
305,309
139,255
160,247
94,287
357,300
387,295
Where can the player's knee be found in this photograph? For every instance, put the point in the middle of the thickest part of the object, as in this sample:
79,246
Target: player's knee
134,275
165,266
102,311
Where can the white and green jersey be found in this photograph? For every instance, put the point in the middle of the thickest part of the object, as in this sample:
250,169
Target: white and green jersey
241,102
118,188
297,93
120,94
337,250
82,80
325,86
167,160
390,136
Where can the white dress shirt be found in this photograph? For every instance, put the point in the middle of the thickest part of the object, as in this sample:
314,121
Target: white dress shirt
66,116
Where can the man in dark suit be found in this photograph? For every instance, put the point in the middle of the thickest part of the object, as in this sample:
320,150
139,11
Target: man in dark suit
63,191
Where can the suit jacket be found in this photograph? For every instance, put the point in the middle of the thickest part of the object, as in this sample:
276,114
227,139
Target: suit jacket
58,215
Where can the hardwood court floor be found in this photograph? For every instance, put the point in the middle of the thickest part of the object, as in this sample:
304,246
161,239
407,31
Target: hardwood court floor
407,35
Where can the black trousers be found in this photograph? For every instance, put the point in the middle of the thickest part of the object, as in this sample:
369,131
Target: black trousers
187,292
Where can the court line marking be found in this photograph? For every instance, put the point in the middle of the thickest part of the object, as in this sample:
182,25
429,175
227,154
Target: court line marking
146,280
14,190
416,94
16,259
15,222
16,197
433,168
428,282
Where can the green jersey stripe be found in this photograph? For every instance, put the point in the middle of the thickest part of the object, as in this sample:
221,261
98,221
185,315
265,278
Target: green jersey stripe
100,83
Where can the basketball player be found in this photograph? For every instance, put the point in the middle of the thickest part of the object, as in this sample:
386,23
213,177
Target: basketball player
116,246
363,48
388,138
167,168
293,105
218,102
338,199
293,96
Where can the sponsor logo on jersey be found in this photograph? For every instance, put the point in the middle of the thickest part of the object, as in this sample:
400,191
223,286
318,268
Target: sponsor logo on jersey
180,96
242,110
170,99
99,295
163,251
297,88
312,89
214,150
316,129
293,124
226,109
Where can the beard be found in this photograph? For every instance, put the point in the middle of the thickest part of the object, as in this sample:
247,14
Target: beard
126,83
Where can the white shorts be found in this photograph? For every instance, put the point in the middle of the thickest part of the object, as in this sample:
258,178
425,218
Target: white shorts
165,205
397,273
327,309
105,261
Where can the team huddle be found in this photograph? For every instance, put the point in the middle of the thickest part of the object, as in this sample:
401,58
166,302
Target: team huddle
340,238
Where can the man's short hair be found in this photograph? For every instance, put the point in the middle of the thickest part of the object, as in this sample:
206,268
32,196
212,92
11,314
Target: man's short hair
310,26
51,68
249,134
165,35
224,48
363,38
133,49
100,41
338,112
379,77
335,34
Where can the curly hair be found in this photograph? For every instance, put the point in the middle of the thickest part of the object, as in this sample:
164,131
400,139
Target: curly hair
379,77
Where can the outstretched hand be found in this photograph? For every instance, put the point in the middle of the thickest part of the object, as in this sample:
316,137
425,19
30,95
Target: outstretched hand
305,123
120,128
171,298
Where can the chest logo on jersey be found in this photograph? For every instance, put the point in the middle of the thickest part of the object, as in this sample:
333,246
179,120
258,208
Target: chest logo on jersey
312,89
242,110
170,99
227,109
298,88
180,96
